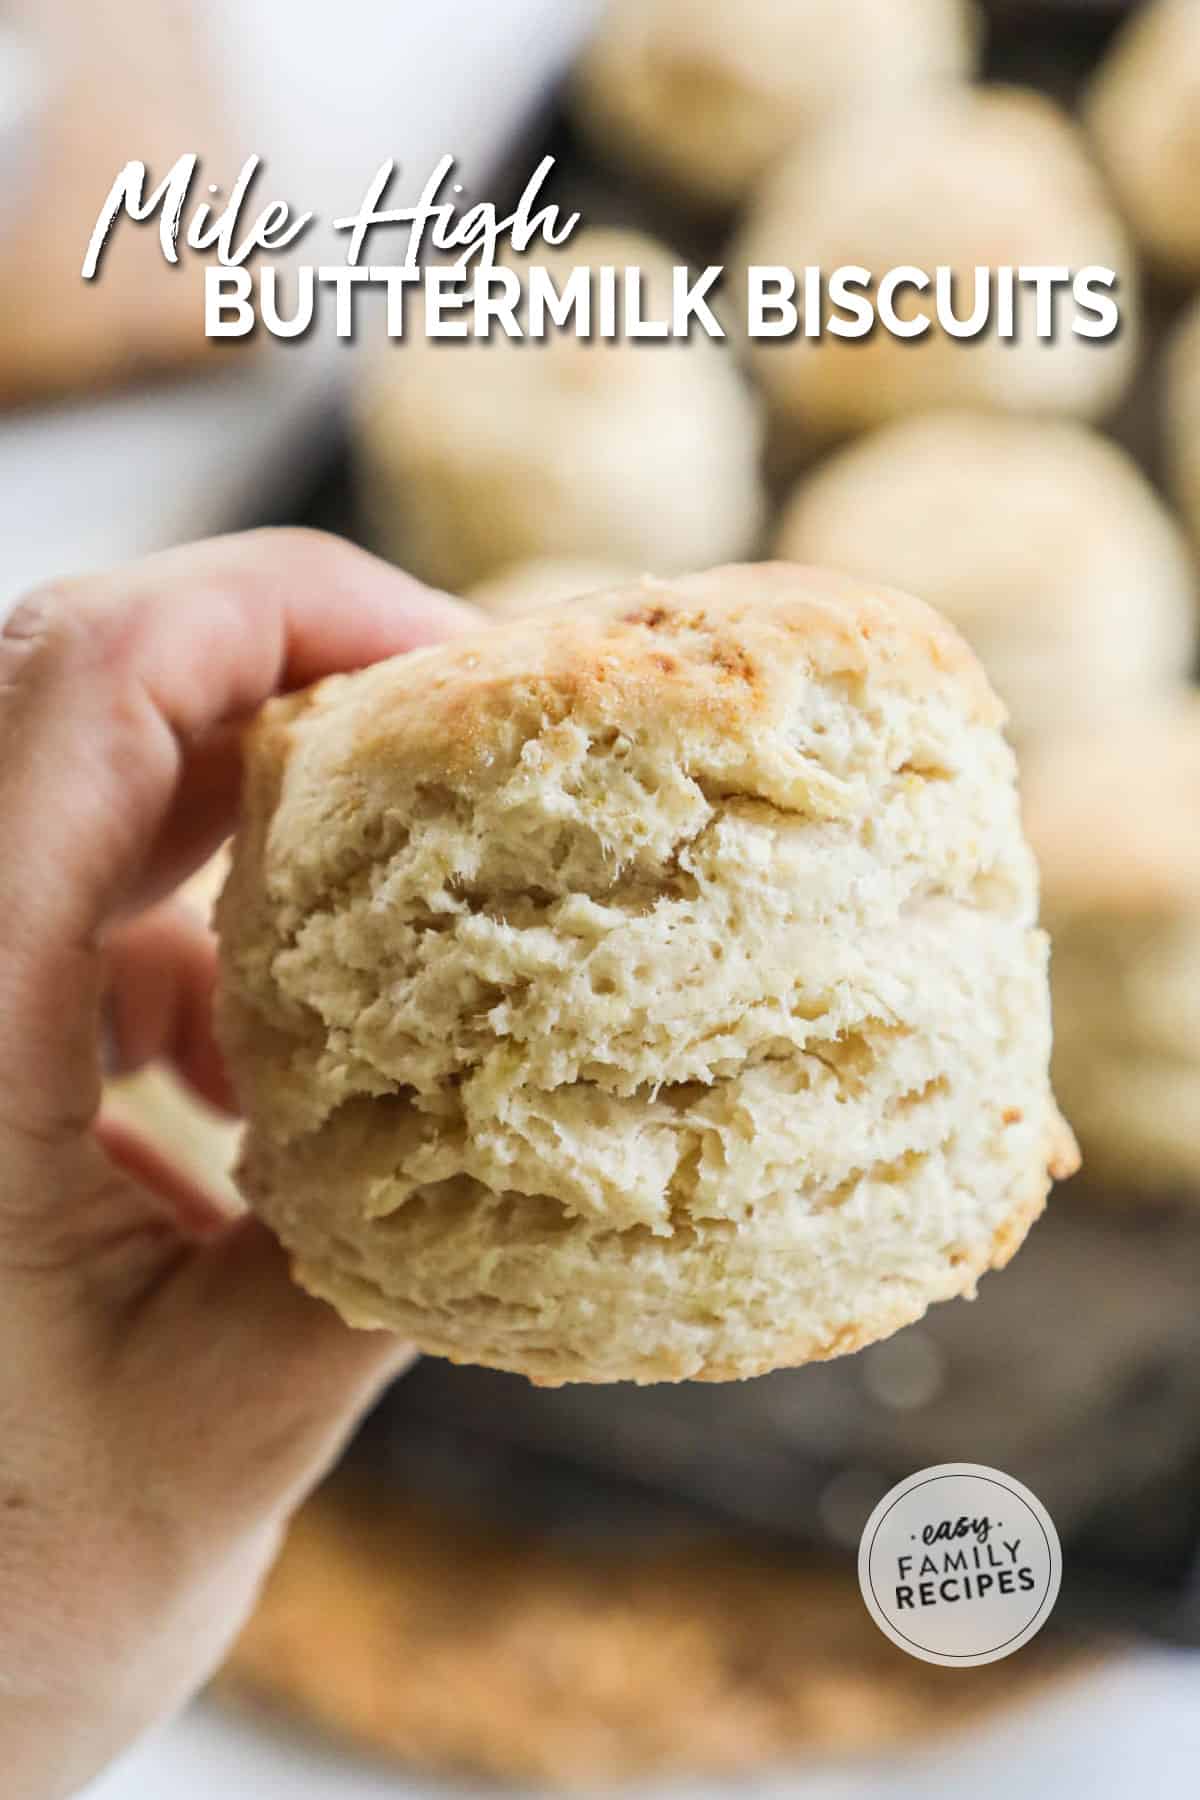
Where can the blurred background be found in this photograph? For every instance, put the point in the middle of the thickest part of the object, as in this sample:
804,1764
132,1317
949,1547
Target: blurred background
506,1590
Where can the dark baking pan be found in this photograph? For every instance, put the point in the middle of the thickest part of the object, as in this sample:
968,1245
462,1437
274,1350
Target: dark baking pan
1077,1370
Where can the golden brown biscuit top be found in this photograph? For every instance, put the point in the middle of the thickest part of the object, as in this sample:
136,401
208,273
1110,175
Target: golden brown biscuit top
718,651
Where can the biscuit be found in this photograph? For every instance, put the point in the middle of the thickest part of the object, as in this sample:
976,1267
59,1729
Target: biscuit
1039,539
543,581
646,990
1113,819
970,178
701,99
476,454
450,1646
1143,111
1183,416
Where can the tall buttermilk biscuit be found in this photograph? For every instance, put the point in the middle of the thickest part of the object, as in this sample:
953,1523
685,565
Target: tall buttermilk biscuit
645,990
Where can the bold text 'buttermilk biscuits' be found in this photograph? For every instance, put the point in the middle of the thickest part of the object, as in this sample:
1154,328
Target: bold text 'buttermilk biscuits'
647,989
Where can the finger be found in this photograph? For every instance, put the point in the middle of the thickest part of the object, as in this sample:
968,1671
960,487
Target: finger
104,688
71,1220
195,1213
161,973
228,1327
204,803
249,1385
107,683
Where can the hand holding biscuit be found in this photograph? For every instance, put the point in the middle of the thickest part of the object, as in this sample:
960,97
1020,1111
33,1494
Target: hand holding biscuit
645,992
167,1394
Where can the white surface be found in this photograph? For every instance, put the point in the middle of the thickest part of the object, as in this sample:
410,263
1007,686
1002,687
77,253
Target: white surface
325,94
86,486
1129,1732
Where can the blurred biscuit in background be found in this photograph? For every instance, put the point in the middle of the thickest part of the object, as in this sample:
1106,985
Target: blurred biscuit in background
1115,821
477,454
700,99
968,178
1039,539
1143,110
525,587
1183,414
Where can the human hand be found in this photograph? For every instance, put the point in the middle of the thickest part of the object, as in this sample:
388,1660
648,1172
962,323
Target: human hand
167,1395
